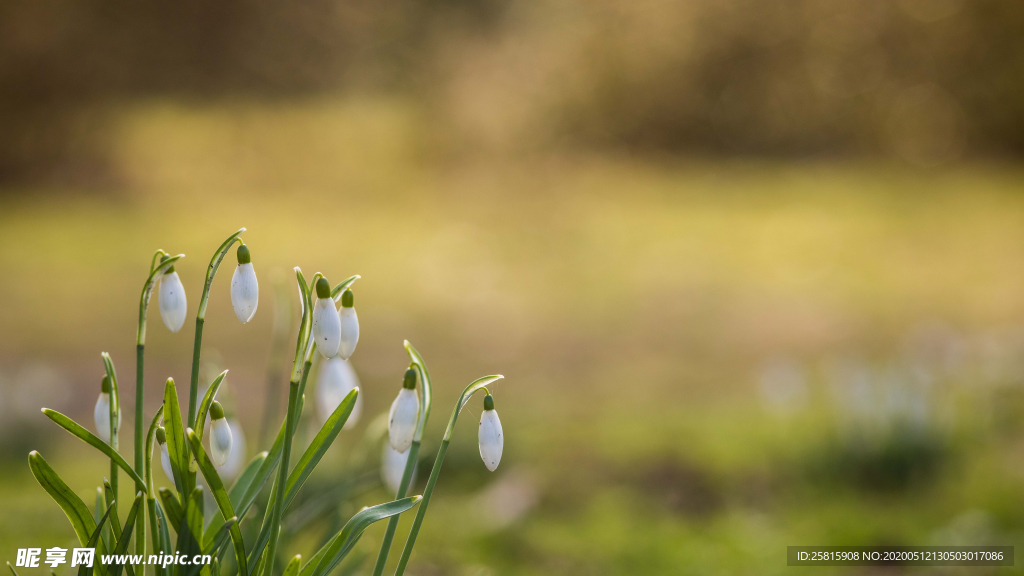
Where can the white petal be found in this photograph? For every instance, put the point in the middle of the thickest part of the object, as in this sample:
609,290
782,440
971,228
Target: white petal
101,414
326,327
245,292
173,305
405,410
165,462
349,332
335,380
392,466
491,439
236,456
220,441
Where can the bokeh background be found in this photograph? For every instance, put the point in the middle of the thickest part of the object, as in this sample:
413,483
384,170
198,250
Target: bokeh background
753,271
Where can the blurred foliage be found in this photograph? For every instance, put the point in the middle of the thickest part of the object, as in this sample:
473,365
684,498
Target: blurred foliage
926,81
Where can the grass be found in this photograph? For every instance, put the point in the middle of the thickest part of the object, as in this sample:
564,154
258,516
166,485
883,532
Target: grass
630,305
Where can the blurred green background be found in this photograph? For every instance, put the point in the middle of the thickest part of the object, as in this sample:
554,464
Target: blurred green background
751,270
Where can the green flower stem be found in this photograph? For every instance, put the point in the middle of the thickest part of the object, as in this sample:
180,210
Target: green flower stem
478,384
115,412
156,269
193,388
425,394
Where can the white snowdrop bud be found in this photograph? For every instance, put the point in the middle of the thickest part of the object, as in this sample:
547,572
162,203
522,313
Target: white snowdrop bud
220,435
326,322
334,381
236,457
101,413
173,305
245,291
392,466
349,325
165,456
490,437
405,410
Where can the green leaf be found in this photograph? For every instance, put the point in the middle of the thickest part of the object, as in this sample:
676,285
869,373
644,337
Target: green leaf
91,439
218,538
204,406
165,534
246,478
175,435
310,458
172,507
115,523
219,494
76,511
292,569
15,572
342,544
129,526
190,531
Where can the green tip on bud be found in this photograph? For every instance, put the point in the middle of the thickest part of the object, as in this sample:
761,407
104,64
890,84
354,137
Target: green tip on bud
161,436
323,288
410,379
105,385
216,411
488,402
347,299
243,254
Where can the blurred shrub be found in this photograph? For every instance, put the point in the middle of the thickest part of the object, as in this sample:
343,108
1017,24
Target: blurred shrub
925,80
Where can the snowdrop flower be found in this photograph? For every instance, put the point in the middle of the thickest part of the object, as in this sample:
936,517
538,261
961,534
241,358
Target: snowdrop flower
491,440
326,322
173,305
245,291
165,456
220,435
101,414
405,410
236,457
349,326
392,466
335,380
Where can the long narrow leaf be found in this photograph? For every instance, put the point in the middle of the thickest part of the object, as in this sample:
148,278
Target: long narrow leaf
76,511
204,406
246,478
91,439
342,544
94,540
175,434
115,522
310,458
190,532
165,533
129,527
172,507
219,537
219,494
292,569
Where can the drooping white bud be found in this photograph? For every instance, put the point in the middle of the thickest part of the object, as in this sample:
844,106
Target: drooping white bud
392,466
490,437
165,456
335,380
245,290
220,435
102,416
236,456
349,326
326,323
173,304
405,410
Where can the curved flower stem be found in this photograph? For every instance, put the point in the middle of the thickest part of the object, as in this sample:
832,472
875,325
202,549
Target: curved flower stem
115,412
410,462
300,371
193,389
478,384
156,269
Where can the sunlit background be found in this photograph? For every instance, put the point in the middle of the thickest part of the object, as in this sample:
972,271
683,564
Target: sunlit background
754,271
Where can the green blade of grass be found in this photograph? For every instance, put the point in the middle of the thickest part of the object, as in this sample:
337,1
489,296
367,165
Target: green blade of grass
115,522
338,547
219,493
245,479
218,538
94,541
172,507
292,569
175,434
91,439
76,510
190,531
129,527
